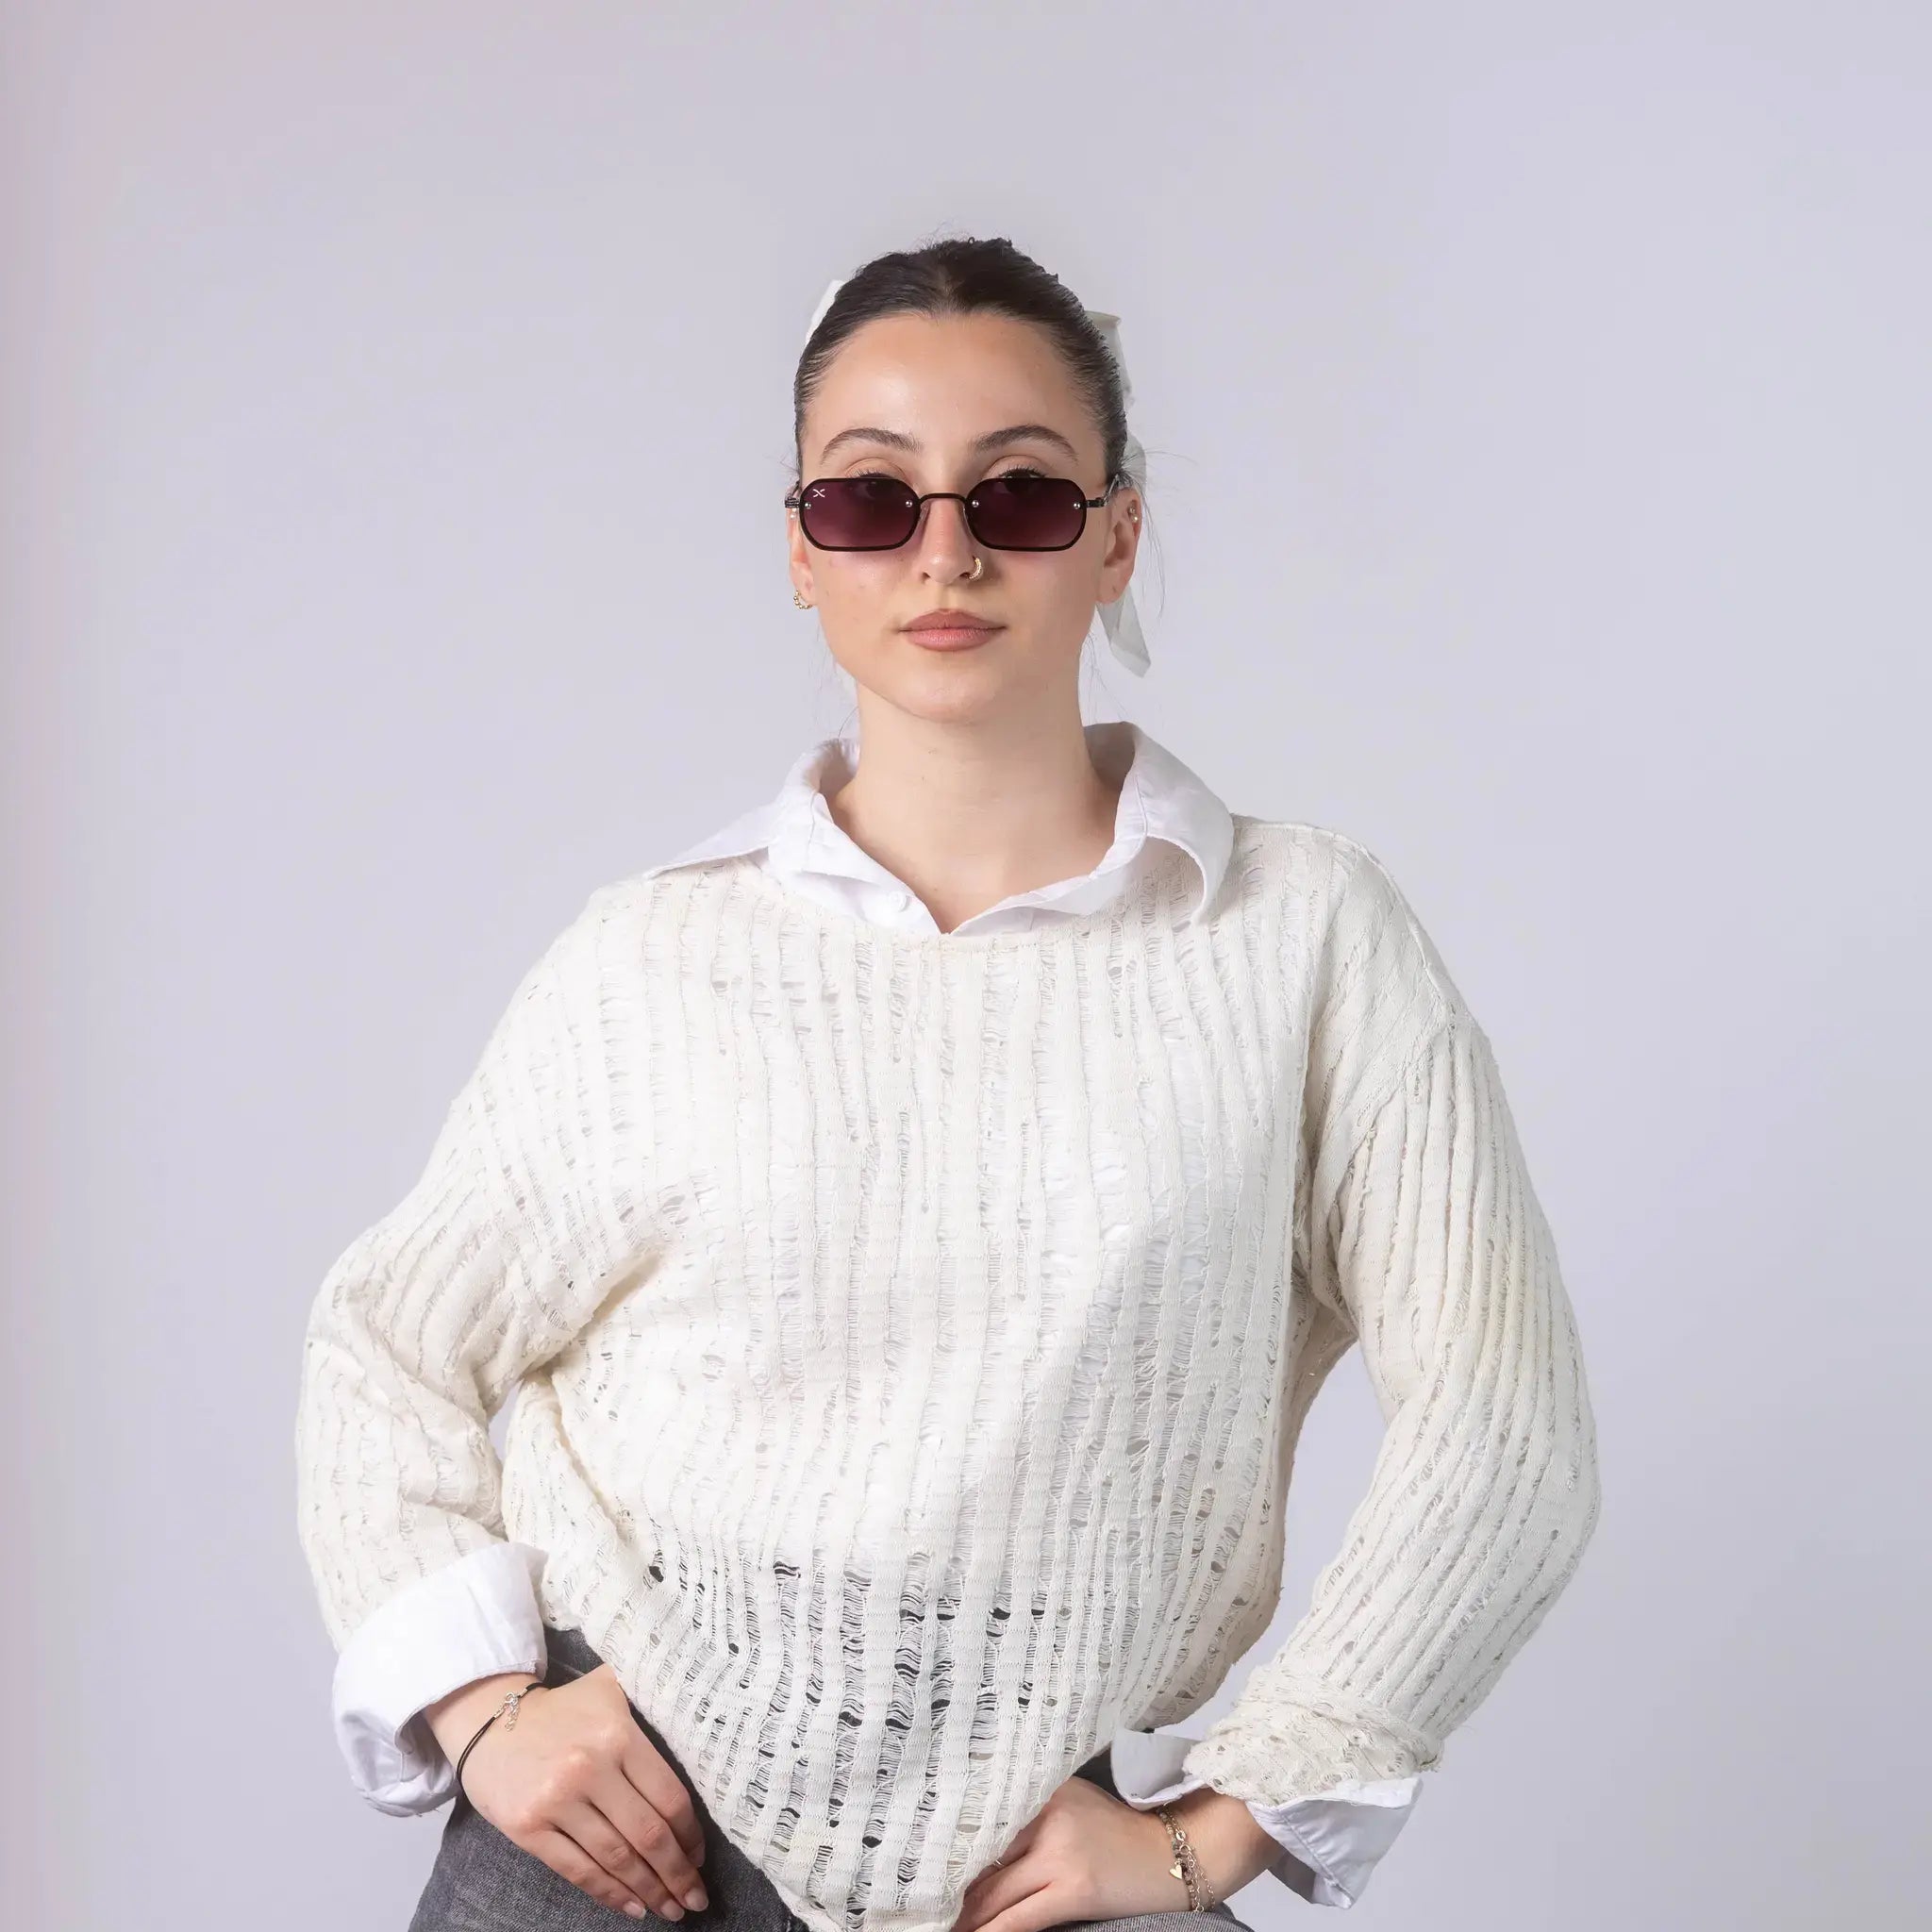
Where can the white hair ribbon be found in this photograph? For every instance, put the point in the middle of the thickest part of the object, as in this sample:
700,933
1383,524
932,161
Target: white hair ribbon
1120,620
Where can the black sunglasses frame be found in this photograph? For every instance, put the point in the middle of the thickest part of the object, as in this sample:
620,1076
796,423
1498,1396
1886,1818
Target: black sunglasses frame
795,503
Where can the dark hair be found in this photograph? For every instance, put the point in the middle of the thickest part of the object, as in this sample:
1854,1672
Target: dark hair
957,276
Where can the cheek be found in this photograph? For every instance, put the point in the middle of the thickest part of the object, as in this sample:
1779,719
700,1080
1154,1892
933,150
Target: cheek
859,580
1056,589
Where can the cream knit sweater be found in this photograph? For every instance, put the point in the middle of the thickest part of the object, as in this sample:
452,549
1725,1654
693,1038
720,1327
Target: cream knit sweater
914,1333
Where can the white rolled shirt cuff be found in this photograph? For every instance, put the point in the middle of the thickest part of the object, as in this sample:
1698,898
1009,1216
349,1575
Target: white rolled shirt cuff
1331,1841
474,1618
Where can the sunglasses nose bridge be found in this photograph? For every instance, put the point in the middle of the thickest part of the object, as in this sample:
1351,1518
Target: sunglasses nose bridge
926,507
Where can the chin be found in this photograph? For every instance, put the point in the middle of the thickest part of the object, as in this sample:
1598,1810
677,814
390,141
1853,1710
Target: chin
958,686
950,693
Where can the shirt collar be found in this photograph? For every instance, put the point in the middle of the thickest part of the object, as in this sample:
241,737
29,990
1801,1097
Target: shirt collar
1160,798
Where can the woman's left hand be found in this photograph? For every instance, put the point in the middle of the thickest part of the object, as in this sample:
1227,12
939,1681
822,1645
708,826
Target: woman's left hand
1085,1856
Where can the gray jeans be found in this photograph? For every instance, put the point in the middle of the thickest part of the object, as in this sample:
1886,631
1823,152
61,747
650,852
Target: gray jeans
481,1882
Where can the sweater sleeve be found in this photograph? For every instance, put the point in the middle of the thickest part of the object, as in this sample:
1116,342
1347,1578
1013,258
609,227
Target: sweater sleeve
1330,1844
492,1261
1422,1238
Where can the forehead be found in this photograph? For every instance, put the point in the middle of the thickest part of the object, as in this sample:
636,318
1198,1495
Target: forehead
946,381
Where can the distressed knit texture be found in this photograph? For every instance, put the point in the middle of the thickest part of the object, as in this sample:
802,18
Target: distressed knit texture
911,1335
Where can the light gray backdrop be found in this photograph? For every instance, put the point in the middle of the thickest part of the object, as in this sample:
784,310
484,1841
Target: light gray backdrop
395,418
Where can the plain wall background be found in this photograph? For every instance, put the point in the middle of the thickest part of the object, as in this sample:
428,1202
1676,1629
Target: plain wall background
395,421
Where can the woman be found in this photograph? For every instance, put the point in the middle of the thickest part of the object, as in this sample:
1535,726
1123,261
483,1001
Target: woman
917,1220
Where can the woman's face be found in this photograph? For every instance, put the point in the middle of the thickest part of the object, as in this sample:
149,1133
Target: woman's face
936,402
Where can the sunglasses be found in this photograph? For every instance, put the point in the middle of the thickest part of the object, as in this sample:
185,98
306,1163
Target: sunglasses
1020,509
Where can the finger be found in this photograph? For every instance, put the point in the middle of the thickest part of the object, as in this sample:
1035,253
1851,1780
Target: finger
665,1792
996,1888
569,1859
650,1837
1037,1907
1022,1841
1009,1858
633,1866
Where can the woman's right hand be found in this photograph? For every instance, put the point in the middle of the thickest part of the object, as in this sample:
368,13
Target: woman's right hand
577,1784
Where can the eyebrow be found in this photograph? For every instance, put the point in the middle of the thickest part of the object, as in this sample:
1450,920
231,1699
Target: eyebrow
893,439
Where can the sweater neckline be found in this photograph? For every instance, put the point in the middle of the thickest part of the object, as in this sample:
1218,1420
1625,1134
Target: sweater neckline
1138,893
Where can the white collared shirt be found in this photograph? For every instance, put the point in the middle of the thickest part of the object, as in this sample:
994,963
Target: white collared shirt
799,839
481,1615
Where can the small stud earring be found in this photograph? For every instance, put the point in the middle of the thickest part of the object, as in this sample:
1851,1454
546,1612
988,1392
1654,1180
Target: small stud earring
799,601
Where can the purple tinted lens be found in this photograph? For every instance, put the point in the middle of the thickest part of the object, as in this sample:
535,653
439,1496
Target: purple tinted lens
1027,513
858,512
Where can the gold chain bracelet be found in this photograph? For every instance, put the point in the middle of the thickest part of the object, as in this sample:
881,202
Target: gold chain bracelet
1186,1866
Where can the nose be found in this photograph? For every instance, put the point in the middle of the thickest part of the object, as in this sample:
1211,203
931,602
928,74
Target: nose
946,546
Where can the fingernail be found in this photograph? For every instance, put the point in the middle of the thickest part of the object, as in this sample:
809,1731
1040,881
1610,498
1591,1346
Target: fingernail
636,1910
695,1898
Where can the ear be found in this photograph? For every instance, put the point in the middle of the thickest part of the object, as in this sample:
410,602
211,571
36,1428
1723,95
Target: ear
798,556
1122,513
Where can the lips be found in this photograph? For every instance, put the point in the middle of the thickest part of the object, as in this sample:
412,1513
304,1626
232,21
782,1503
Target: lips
951,621
950,631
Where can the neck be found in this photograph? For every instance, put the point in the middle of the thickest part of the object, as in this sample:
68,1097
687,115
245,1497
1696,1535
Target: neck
968,814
